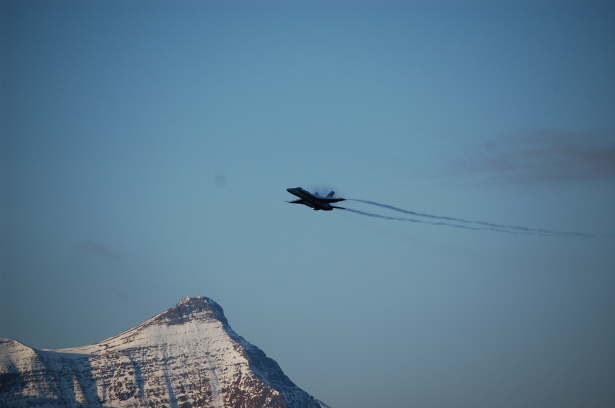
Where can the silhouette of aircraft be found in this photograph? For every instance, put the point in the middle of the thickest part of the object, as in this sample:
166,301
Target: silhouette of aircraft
314,201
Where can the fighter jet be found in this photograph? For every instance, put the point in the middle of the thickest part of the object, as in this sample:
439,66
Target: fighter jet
314,200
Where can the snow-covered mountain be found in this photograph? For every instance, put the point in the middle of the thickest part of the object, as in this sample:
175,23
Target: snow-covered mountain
185,357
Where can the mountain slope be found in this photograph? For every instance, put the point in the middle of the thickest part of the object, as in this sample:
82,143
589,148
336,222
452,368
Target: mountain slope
185,357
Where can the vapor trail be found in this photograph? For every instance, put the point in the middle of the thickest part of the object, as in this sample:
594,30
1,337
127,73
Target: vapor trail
441,223
539,231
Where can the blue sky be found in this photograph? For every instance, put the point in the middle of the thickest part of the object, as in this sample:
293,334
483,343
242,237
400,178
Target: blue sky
147,149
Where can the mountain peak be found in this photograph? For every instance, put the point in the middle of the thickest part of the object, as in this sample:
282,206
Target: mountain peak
191,299
186,356
199,308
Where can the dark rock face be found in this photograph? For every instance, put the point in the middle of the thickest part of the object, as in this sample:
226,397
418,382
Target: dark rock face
185,357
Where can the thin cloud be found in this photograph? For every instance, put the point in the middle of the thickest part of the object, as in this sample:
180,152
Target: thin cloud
547,156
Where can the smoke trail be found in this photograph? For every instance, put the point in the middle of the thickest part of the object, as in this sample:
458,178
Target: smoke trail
440,223
538,231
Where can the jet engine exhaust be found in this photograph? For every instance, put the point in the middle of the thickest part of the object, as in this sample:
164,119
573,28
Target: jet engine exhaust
490,226
439,223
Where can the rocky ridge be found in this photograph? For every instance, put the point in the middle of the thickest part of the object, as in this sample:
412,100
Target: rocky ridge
185,357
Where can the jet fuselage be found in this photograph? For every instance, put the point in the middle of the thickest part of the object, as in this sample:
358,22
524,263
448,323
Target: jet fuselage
313,201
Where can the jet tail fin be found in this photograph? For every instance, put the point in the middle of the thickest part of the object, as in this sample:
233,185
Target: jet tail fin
331,194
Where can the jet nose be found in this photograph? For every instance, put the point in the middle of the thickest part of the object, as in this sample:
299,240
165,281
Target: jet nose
289,190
